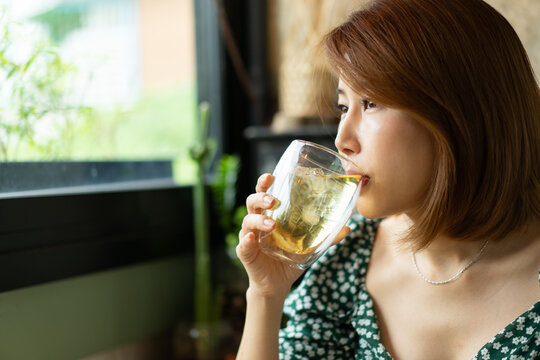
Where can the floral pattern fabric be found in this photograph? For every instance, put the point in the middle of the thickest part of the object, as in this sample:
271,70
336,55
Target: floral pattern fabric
331,315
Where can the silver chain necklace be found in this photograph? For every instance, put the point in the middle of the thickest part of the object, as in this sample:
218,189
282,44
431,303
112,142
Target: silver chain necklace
458,274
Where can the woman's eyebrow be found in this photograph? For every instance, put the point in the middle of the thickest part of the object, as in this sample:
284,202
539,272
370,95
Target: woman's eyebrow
339,91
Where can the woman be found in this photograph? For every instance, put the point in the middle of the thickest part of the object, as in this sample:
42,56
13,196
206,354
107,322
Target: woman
440,108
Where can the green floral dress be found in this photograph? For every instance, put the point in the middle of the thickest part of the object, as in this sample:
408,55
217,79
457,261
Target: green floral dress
331,314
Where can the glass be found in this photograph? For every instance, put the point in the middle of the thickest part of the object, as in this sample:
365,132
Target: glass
315,190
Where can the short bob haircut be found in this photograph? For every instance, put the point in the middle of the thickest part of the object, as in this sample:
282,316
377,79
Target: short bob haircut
460,69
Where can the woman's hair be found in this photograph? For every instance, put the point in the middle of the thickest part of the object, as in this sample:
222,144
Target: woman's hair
460,69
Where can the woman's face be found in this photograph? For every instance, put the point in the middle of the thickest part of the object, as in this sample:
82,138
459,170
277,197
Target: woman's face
390,147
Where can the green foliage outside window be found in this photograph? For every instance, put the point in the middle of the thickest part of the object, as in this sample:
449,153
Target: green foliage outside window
43,116
35,108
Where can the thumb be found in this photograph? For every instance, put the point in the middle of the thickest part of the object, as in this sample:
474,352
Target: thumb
342,234
247,248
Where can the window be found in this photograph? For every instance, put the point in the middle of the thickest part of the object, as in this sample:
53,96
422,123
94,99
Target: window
67,213
96,92
77,201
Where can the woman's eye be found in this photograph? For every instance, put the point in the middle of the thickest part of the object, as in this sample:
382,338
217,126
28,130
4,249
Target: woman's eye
367,104
341,109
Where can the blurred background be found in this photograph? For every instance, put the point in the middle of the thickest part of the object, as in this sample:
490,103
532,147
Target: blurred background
100,133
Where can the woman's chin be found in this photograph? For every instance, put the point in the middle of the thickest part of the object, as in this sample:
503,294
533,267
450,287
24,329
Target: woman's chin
367,211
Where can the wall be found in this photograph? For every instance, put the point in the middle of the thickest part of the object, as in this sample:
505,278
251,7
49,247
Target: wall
78,317
168,43
524,15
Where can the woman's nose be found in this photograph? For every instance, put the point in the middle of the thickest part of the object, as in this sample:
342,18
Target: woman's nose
347,141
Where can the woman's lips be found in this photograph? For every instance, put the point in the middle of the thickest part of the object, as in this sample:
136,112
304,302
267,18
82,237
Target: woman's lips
365,178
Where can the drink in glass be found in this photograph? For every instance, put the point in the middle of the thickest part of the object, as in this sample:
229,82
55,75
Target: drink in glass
315,190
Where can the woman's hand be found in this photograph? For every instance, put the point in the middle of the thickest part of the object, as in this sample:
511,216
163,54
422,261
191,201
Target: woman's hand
268,277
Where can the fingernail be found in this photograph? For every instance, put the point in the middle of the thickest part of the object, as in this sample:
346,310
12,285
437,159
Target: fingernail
269,223
268,200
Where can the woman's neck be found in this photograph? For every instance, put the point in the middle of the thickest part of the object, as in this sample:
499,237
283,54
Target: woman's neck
444,255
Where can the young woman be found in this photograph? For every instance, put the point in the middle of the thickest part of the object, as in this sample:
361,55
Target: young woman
440,108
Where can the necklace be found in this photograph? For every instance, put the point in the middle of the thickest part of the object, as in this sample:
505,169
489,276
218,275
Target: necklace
457,275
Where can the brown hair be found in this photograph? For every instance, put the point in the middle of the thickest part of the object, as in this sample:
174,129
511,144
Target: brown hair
460,69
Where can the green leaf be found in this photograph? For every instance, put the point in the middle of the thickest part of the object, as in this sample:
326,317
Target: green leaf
224,189
231,241
239,216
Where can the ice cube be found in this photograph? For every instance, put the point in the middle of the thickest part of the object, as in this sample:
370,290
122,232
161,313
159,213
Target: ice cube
311,216
317,183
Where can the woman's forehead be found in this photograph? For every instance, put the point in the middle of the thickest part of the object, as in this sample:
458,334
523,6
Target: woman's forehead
345,89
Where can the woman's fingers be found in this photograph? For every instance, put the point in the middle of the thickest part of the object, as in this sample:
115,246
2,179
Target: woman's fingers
264,182
258,202
256,223
247,248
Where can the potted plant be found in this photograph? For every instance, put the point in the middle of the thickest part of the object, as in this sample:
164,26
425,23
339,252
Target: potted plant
216,308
